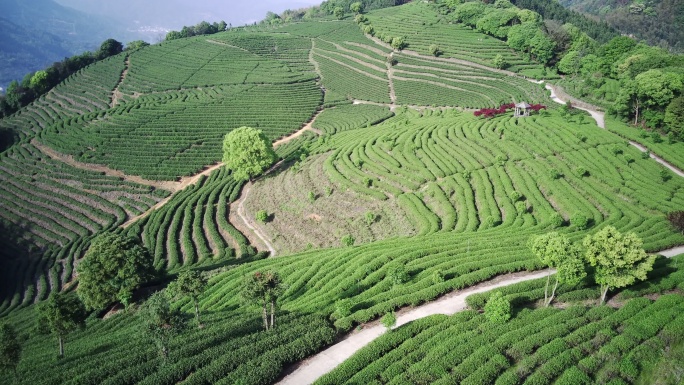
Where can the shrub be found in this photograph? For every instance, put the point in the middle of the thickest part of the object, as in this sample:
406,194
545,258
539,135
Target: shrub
581,171
262,216
498,308
389,320
665,174
580,221
347,240
370,217
312,196
645,155
555,174
397,273
556,220
343,308
515,196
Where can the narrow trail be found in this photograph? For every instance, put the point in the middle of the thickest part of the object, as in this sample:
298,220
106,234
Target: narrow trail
390,77
312,368
599,117
117,94
240,205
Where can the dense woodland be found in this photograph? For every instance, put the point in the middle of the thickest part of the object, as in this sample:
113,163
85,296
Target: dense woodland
218,207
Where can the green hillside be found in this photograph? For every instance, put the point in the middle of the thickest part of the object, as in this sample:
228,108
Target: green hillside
390,191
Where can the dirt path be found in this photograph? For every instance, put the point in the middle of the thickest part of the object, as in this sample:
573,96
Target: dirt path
117,94
311,369
307,127
315,367
239,207
599,116
390,77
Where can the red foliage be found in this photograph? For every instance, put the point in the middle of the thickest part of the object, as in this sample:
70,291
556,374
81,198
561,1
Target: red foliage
492,112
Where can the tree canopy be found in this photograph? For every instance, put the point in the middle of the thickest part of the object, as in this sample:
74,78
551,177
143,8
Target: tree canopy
10,348
190,284
61,314
160,322
556,251
264,288
619,259
247,152
112,268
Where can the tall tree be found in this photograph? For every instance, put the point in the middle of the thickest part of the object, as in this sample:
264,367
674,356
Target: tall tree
160,322
556,251
109,47
356,7
264,288
619,259
190,284
61,314
10,349
112,268
247,152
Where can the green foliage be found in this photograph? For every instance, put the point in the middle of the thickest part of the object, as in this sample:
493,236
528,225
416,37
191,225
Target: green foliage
247,152
398,43
60,315
347,241
10,348
556,251
190,284
499,62
343,307
389,320
113,267
370,217
397,274
580,221
261,216
498,309
619,259
338,12
356,7
160,323
264,289
434,50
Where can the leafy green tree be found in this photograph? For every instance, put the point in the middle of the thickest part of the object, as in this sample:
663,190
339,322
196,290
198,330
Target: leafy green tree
338,12
173,35
542,47
160,322
619,259
109,47
247,152
396,272
434,50
398,42
347,240
221,26
469,12
262,216
520,36
264,288
356,7
112,268
657,87
389,320
190,284
60,315
39,82
556,251
570,63
497,309
496,22
10,349
499,61
136,45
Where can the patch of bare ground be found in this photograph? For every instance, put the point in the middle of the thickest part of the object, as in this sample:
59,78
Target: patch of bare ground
241,219
296,221
117,95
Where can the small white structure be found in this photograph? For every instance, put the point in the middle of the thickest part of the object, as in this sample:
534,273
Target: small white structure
522,109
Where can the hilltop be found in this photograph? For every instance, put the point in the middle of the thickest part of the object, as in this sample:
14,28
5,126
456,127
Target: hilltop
402,177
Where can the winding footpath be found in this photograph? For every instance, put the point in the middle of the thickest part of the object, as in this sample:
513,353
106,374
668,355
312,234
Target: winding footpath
599,117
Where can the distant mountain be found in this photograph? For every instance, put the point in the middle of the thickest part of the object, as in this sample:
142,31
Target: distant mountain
37,33
658,22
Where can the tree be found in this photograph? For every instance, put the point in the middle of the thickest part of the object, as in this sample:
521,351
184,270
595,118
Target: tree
39,82
247,152
173,35
264,288
112,268
136,45
398,43
556,251
160,322
338,12
109,47
389,320
262,216
676,219
497,309
190,284
674,117
221,26
619,259
434,50
499,61
10,349
356,7
60,315
570,63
